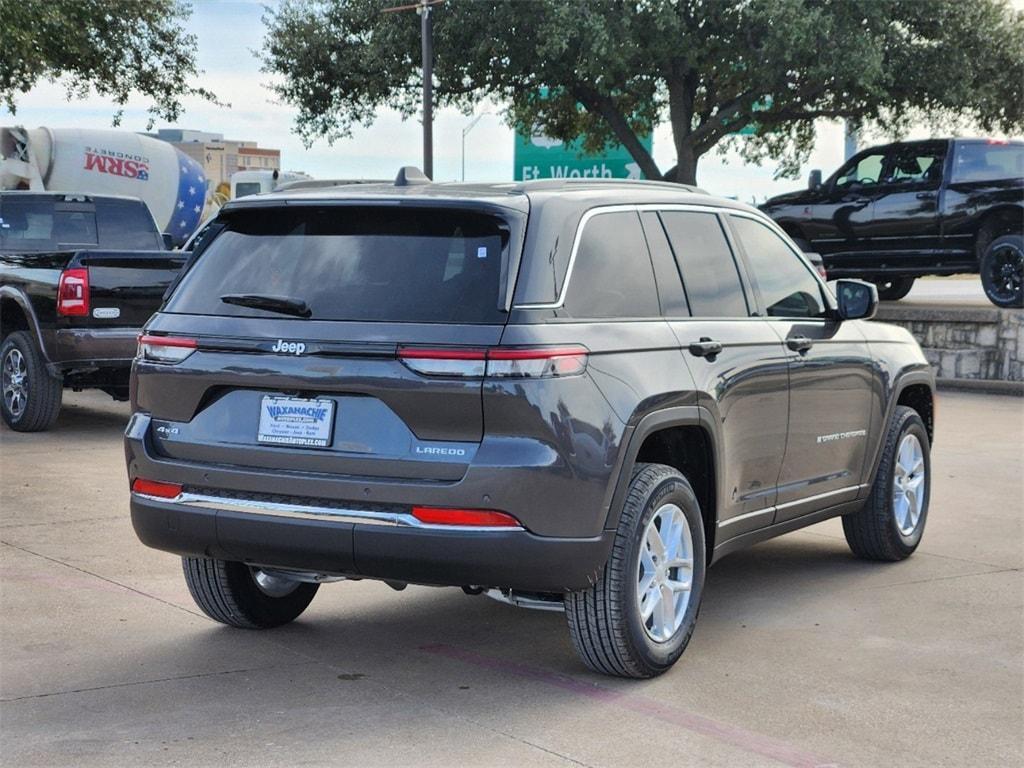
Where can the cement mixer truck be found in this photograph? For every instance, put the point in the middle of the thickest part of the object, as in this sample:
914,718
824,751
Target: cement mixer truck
107,162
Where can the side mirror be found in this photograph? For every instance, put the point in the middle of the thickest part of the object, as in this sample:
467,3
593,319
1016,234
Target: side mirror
168,240
857,300
814,180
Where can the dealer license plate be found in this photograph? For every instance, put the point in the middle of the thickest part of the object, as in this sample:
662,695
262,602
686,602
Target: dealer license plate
296,421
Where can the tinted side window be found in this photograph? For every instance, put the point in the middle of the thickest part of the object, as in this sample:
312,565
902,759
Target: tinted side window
988,162
915,165
612,274
710,276
787,287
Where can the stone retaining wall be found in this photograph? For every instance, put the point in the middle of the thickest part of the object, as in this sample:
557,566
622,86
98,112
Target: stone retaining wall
964,343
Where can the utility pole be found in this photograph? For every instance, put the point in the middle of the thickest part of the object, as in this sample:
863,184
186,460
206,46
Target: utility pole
423,8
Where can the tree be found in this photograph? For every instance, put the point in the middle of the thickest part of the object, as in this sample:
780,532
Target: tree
116,47
615,68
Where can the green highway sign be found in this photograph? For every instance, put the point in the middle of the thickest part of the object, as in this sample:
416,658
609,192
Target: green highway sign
540,157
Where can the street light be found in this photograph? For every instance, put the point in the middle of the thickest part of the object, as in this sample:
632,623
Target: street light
466,130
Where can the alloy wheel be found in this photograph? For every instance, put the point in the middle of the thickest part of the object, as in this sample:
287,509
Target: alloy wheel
15,382
665,573
1005,271
909,485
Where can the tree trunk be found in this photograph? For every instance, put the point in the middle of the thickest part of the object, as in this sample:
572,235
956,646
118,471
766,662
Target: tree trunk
685,172
680,113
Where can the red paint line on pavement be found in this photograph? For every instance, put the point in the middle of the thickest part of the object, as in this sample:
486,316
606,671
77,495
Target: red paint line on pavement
749,741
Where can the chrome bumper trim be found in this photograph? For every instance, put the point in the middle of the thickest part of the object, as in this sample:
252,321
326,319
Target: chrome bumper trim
306,512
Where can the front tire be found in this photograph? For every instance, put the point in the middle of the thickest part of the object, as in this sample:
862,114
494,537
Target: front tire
241,596
31,397
1002,271
638,618
893,288
891,523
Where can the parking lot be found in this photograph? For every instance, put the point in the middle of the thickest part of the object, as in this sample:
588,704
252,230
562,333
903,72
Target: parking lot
803,655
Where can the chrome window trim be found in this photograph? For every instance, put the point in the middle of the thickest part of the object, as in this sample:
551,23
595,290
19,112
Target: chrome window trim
625,208
310,512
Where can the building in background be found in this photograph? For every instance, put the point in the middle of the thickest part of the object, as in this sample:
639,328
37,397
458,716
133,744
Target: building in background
220,157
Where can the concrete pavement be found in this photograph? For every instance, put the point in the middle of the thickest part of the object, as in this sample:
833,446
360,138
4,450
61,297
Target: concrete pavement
803,655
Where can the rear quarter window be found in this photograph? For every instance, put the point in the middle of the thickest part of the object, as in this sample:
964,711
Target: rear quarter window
612,274
389,264
977,161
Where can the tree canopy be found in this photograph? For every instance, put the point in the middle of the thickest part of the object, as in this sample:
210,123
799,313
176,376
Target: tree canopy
117,47
614,68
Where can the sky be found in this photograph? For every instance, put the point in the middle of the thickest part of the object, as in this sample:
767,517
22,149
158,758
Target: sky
230,32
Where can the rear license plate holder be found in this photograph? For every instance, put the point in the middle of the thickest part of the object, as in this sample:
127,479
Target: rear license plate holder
296,422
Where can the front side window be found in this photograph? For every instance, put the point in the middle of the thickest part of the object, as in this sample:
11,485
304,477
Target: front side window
361,263
864,171
710,276
977,161
612,274
787,286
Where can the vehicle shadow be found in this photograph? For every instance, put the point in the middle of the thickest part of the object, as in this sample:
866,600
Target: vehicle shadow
739,588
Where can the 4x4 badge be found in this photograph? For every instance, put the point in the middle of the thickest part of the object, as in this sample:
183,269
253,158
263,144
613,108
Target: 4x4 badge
289,347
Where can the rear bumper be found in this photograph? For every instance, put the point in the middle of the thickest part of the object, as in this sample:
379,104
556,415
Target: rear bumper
80,348
513,558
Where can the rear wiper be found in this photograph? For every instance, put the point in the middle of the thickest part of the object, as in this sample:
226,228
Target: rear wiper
283,304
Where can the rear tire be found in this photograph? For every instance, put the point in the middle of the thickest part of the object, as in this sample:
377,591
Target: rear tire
893,289
1002,271
888,527
228,592
607,621
31,397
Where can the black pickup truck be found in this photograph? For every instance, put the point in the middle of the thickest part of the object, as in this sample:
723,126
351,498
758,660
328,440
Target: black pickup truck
896,212
79,276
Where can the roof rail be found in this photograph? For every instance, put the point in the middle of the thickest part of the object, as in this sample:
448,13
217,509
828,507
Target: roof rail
562,183
410,175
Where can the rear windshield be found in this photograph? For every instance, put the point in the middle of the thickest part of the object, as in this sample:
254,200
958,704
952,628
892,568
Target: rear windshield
44,224
354,263
39,225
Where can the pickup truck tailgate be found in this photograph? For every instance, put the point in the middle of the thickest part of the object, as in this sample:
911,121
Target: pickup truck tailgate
125,287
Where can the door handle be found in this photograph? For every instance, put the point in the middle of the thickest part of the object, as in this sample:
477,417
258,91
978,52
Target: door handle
926,195
799,343
705,348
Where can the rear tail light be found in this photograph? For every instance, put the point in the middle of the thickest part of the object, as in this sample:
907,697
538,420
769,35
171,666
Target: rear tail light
73,293
499,362
444,362
165,349
156,488
477,518
541,362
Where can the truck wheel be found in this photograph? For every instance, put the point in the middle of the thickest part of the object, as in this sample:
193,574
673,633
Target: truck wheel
1002,271
240,596
31,396
894,288
637,619
890,525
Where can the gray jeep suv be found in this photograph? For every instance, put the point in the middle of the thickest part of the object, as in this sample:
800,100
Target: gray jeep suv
568,395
